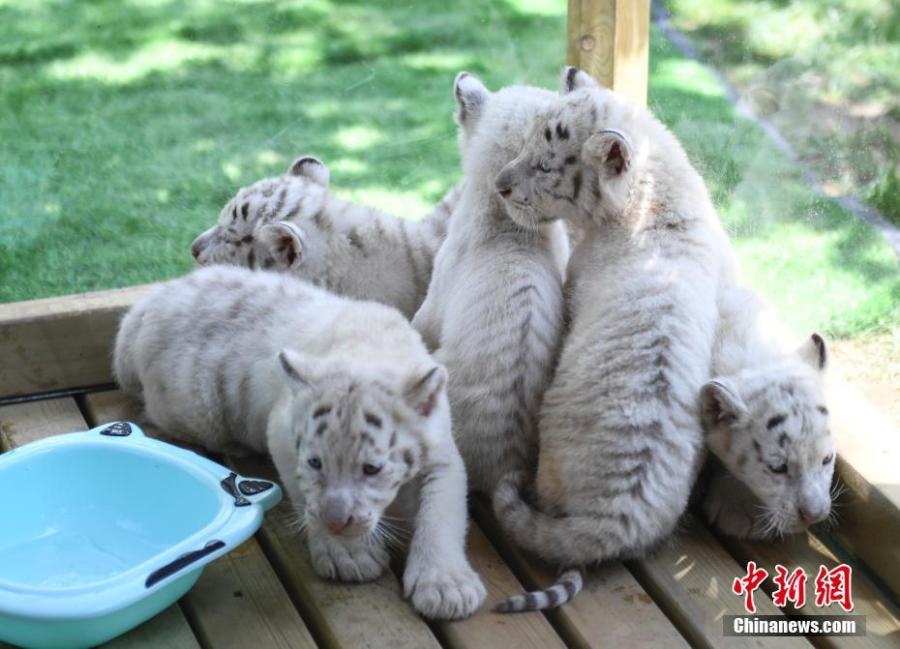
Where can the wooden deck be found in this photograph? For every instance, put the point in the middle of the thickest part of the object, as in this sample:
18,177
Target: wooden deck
266,595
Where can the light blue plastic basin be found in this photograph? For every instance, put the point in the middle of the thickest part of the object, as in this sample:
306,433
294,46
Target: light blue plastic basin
101,530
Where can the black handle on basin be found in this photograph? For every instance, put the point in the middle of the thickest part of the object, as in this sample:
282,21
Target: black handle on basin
229,484
246,487
182,562
118,429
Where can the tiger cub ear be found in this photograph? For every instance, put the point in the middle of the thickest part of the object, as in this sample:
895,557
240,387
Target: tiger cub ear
814,352
310,167
284,242
423,390
298,369
610,151
720,408
471,96
573,79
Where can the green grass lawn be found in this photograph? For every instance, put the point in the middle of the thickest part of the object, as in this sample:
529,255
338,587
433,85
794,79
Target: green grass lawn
127,124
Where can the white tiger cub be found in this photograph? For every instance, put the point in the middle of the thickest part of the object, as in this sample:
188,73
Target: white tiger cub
619,427
293,223
494,306
766,422
344,396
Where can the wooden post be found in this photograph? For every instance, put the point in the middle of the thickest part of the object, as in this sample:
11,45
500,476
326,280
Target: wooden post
609,39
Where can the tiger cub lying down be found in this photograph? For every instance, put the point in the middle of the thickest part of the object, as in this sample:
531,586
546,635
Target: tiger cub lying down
293,223
765,421
344,396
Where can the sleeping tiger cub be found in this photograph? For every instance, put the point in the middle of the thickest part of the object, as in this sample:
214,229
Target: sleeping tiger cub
293,223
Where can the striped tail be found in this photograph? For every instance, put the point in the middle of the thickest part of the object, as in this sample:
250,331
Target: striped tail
569,584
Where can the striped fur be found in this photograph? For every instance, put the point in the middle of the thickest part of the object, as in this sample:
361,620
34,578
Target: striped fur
766,422
328,386
569,584
494,306
293,223
620,440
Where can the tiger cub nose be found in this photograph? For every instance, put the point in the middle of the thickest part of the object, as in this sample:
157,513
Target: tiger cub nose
336,527
810,516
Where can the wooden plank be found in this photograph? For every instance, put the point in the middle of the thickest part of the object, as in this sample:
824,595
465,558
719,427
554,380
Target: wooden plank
882,617
372,615
61,342
691,578
604,613
168,630
114,405
609,39
495,629
238,600
869,510
26,422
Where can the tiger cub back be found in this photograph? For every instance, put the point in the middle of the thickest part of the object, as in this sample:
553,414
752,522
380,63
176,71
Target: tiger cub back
292,223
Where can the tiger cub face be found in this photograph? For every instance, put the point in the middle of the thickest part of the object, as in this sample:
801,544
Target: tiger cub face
578,158
491,125
260,226
769,427
357,440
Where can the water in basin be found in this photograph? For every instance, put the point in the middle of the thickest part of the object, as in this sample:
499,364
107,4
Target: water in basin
77,515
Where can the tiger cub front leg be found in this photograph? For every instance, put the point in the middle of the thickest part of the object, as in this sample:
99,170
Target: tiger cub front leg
361,558
731,508
438,577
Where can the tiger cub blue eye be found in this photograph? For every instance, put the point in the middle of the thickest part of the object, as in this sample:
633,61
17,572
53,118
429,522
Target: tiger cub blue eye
371,469
315,463
781,468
